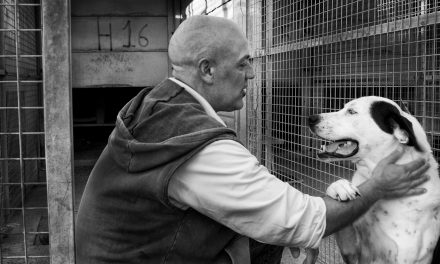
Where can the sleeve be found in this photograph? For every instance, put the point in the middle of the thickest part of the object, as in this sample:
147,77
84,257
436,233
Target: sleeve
225,182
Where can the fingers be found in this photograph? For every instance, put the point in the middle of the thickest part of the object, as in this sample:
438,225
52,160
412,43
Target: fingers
415,191
417,167
422,179
393,157
411,189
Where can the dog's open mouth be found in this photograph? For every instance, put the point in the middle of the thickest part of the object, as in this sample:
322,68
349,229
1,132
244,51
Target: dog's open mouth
339,149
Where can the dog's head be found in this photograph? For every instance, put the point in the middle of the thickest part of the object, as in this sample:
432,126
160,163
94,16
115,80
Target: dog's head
366,125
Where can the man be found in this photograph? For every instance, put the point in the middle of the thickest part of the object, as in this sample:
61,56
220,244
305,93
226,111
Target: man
174,185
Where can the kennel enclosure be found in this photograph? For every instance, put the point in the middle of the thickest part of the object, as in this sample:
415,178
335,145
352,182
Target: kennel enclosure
314,56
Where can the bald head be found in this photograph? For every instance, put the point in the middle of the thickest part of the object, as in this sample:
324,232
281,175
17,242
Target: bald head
211,55
201,37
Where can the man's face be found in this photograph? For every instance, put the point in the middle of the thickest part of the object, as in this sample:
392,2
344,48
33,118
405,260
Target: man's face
231,75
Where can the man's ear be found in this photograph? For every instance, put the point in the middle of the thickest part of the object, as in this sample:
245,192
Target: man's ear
206,70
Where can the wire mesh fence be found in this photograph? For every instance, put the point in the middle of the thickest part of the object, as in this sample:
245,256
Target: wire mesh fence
314,56
23,189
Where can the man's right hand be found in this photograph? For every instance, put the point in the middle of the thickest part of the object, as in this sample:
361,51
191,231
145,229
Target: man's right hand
389,180
392,181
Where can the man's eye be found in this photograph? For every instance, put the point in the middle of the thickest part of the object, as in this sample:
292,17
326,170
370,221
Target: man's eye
351,111
245,63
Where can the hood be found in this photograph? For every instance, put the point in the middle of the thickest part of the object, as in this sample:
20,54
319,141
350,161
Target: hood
161,125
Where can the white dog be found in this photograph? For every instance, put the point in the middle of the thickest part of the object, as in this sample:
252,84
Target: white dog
399,231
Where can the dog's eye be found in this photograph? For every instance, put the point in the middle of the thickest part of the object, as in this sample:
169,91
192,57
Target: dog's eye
351,111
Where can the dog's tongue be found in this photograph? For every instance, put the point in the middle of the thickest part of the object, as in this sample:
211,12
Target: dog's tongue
338,149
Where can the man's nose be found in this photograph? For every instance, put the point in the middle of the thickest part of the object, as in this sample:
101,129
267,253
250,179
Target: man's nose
250,74
314,119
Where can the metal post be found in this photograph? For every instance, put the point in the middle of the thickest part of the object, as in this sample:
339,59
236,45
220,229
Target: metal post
254,33
268,140
239,15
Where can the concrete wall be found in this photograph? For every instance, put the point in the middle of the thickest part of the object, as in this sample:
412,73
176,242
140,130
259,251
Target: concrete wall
120,43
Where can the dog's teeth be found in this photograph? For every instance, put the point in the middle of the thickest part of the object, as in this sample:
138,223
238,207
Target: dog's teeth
323,148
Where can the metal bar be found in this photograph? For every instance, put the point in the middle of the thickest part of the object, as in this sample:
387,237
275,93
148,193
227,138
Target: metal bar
217,6
170,27
20,143
26,81
22,133
21,56
423,33
119,15
29,208
408,23
26,183
256,110
23,81
22,4
269,93
239,13
37,158
20,29
21,257
23,107
58,127
110,51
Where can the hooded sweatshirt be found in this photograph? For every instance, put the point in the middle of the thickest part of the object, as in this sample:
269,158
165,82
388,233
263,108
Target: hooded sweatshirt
125,215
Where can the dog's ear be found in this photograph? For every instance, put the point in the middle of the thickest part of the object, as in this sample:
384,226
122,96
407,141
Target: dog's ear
389,119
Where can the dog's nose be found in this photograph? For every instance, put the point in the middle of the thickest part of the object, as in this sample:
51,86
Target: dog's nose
314,119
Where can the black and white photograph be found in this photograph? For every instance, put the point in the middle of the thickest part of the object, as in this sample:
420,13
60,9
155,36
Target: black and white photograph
219,131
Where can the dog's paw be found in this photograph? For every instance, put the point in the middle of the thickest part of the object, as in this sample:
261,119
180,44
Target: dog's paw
342,190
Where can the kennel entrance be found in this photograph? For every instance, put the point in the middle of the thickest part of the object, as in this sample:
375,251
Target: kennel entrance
314,56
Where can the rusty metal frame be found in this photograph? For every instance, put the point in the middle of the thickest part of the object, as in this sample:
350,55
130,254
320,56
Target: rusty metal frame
58,127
